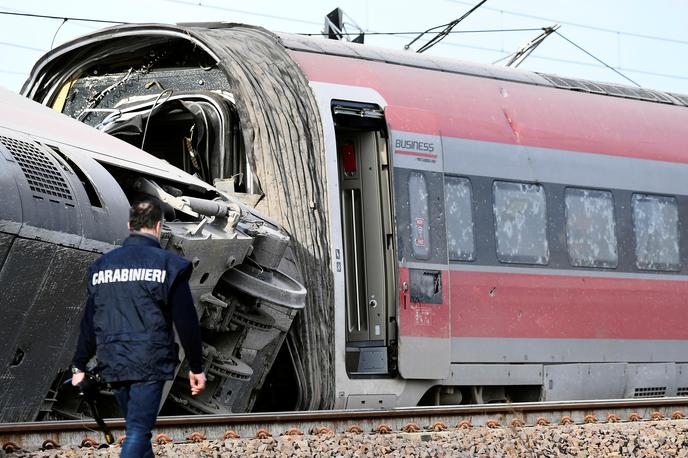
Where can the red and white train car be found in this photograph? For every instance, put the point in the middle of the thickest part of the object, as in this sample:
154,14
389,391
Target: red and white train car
539,244
488,234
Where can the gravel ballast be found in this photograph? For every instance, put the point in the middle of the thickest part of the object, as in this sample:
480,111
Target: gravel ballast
641,439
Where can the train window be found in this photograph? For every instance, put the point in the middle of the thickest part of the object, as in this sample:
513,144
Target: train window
458,201
419,212
655,224
520,223
590,228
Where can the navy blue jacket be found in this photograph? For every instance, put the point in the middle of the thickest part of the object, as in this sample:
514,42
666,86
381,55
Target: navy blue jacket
135,294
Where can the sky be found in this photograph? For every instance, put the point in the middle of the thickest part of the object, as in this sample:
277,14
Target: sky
645,41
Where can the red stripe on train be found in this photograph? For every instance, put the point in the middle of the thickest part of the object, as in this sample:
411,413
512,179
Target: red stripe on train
415,153
508,305
427,101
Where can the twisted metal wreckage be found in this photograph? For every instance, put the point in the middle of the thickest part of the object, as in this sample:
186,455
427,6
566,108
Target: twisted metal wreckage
218,110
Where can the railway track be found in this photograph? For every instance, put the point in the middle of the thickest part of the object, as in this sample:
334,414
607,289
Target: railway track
47,435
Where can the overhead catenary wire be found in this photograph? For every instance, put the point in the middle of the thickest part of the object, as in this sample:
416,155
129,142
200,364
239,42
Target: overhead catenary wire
530,29
13,72
390,33
665,75
576,24
597,59
517,57
251,13
17,45
442,34
63,18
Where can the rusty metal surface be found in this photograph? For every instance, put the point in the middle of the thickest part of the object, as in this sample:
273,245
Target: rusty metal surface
33,435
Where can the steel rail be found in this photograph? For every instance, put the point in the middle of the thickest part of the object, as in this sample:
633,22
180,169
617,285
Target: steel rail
33,435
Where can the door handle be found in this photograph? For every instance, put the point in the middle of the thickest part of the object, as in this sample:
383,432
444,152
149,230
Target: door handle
404,294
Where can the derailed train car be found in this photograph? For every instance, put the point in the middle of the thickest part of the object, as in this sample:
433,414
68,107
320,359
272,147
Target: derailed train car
66,193
466,233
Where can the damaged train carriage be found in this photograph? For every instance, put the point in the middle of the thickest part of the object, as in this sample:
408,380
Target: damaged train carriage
67,189
228,107
435,208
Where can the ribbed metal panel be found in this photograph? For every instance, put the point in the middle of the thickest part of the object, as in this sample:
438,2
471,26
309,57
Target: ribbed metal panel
43,294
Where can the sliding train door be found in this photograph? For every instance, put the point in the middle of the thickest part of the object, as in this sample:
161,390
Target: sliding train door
425,304
365,198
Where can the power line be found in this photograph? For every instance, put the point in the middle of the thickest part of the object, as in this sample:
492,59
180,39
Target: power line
250,13
17,45
393,34
45,16
625,69
558,59
13,72
532,29
576,24
442,34
598,59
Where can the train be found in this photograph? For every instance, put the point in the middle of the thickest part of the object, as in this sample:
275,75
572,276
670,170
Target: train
463,233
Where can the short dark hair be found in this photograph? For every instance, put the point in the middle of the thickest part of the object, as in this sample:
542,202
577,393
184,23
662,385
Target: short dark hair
144,214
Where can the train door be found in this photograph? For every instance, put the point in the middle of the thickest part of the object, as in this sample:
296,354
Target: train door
424,317
368,241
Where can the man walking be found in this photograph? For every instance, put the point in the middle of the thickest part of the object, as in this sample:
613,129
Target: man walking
135,295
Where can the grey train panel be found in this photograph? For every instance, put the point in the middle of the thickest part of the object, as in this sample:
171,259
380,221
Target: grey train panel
61,205
613,381
549,165
112,204
584,381
6,241
516,350
48,204
44,300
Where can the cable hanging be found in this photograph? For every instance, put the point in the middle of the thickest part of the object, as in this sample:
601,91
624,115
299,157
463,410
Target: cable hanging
517,57
52,43
598,60
532,29
63,18
443,33
576,24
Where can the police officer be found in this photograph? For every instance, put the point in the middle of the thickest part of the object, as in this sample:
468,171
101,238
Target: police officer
136,293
